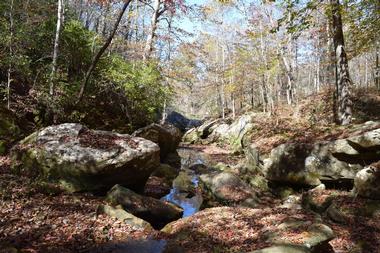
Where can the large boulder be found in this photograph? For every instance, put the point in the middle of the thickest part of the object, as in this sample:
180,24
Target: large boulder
367,182
80,159
201,133
181,122
343,158
286,164
228,188
167,137
252,156
191,136
335,161
156,212
238,129
9,129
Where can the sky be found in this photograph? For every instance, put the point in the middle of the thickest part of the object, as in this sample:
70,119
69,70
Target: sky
193,25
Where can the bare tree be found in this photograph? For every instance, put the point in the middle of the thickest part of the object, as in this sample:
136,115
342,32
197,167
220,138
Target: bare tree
97,57
152,33
157,12
56,47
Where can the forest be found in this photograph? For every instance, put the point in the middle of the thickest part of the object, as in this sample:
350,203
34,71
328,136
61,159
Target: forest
190,126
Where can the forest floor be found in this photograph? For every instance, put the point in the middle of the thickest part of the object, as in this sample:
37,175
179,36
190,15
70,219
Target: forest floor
33,220
311,120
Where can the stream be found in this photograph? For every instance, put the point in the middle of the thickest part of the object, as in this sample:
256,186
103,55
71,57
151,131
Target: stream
190,202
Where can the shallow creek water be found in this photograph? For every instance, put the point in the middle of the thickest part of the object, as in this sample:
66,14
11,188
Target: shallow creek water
189,202
190,205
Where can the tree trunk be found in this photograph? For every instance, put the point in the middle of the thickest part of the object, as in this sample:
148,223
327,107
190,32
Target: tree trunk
9,72
343,81
56,48
149,41
377,69
96,59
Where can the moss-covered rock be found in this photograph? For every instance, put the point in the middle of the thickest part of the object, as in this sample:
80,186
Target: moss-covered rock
183,183
287,165
315,234
315,203
80,159
335,214
228,188
191,136
334,161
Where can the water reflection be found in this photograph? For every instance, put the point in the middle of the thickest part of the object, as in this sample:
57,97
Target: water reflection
189,201
189,205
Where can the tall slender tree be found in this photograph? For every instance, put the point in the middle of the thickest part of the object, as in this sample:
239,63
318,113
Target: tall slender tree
153,27
9,72
60,17
343,80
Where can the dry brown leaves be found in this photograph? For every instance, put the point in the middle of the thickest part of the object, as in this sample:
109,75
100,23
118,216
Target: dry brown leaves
234,229
89,138
32,221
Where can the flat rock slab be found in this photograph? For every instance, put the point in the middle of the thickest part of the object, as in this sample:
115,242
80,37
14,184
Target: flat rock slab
122,215
156,212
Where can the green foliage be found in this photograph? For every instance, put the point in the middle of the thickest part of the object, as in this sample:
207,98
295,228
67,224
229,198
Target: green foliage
77,46
363,22
140,83
297,15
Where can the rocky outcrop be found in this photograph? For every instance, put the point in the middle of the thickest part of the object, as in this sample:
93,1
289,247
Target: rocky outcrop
201,133
156,212
338,160
252,156
167,137
228,131
367,182
286,164
227,188
238,129
181,122
80,159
